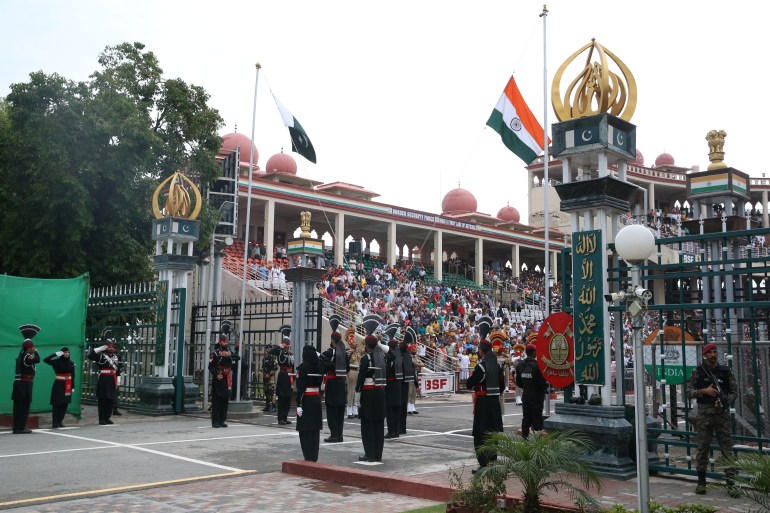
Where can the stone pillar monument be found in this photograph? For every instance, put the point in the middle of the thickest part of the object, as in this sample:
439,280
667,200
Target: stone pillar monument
175,230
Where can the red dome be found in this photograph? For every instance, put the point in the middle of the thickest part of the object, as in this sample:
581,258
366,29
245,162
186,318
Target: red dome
664,159
457,201
639,160
508,213
281,163
230,141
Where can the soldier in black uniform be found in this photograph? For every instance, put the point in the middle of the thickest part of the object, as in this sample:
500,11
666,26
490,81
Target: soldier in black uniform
485,382
336,363
371,384
410,375
533,386
395,379
309,417
285,379
221,363
22,382
110,368
63,385
269,369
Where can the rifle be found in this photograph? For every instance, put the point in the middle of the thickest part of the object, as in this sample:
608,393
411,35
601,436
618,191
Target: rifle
722,400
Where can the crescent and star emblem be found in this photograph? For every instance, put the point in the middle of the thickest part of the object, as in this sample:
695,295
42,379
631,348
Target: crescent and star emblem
186,228
302,140
515,124
620,138
587,135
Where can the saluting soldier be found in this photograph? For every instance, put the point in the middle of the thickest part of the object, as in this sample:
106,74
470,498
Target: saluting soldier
269,367
63,385
394,380
108,383
410,375
221,363
371,384
310,375
22,382
285,378
336,363
485,382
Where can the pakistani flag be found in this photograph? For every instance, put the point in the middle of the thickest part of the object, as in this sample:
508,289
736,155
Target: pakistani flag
517,126
300,142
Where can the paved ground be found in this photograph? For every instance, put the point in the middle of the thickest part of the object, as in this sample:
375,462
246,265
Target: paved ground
179,463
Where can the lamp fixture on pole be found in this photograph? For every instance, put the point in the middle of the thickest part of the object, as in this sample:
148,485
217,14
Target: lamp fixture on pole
635,243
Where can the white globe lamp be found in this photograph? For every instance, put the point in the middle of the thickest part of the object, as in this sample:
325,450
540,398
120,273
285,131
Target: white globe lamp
635,243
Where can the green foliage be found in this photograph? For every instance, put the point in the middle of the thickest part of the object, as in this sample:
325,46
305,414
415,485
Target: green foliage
752,479
438,508
79,162
480,494
656,507
541,462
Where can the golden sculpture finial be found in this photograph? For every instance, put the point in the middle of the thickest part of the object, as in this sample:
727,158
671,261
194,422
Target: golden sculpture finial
716,141
596,89
304,224
178,202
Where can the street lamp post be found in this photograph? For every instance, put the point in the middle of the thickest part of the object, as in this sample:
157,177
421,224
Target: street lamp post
635,243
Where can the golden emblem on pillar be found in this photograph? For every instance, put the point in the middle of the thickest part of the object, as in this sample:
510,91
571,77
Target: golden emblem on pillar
596,89
716,142
178,202
304,224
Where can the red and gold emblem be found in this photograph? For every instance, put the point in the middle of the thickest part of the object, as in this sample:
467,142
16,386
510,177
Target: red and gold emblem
556,350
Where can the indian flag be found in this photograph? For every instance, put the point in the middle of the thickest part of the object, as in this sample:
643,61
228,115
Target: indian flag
709,184
519,129
739,184
300,142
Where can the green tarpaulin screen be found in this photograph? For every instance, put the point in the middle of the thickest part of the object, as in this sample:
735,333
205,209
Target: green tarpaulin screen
59,308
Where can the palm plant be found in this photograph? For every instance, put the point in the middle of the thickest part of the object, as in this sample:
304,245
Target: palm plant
541,462
753,477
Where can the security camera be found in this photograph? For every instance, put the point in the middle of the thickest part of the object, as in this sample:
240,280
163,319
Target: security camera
615,296
643,293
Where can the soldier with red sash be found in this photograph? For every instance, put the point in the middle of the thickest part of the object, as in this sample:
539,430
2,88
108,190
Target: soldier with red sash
394,380
63,385
221,362
285,379
485,383
110,368
371,384
22,383
336,363
309,418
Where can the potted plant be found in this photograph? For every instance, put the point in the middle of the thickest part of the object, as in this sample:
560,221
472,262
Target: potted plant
479,496
541,462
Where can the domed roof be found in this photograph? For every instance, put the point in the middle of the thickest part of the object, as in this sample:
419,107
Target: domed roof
459,200
229,143
639,160
281,163
664,159
508,213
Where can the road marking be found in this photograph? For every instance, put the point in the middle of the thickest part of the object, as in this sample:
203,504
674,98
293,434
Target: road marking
120,489
40,453
151,451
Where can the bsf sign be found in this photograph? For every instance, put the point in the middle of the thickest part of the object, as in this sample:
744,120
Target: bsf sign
437,383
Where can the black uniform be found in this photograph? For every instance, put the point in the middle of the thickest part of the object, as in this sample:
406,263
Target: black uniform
107,384
395,379
221,363
533,386
487,417
410,376
63,385
22,389
283,382
309,424
371,384
336,394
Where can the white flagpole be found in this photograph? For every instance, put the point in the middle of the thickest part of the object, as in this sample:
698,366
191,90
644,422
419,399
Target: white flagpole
246,235
547,266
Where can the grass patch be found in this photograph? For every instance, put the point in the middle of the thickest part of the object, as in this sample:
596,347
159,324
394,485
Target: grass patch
439,508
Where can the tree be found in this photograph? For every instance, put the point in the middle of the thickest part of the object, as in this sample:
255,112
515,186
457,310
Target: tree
79,162
541,462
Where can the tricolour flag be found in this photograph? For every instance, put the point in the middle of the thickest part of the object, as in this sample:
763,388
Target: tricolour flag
517,126
300,142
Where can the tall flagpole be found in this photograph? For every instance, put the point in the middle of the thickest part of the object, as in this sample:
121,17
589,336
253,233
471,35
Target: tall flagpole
248,219
547,214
